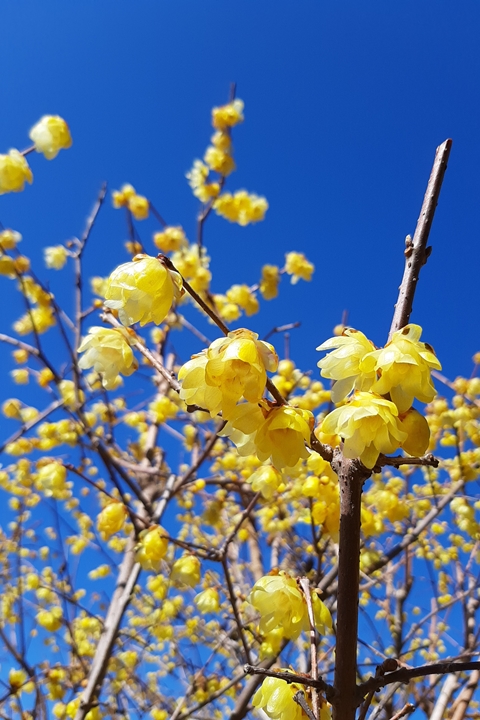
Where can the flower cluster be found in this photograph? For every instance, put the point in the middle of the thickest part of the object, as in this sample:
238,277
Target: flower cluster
170,239
379,417
128,197
241,207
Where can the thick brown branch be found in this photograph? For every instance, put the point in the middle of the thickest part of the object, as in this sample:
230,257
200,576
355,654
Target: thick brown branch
416,253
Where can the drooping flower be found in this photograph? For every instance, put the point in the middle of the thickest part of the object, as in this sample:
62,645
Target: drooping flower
50,620
275,698
121,197
41,318
269,282
142,290
139,207
242,296
152,548
9,239
219,160
19,682
297,265
233,367
108,351
55,257
207,601
51,479
281,603
14,172
368,425
197,179
111,519
404,368
343,363
418,432
186,570
277,433
228,115
266,479
50,135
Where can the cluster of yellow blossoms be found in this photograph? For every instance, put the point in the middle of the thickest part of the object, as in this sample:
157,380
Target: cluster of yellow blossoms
240,207
49,136
128,197
379,417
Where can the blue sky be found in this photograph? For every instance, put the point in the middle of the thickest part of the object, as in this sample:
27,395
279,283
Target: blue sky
345,104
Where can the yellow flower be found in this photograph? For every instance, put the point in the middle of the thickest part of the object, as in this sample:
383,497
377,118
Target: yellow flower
403,366
269,282
41,318
50,135
218,160
368,424
241,207
14,172
418,432
266,479
275,433
281,603
297,265
242,295
20,376
111,519
51,480
121,197
11,408
228,115
186,570
51,620
197,179
108,351
207,601
231,368
18,680
275,698
142,290
343,363
170,239
139,207
9,239
152,548
222,140
55,257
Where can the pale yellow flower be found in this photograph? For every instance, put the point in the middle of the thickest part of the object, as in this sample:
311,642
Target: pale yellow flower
404,368
343,363
55,257
186,570
197,179
242,296
275,698
50,135
241,207
418,432
139,207
121,197
368,425
152,548
51,480
266,479
228,115
41,318
142,290
219,161
170,239
9,239
14,172
270,282
208,601
108,351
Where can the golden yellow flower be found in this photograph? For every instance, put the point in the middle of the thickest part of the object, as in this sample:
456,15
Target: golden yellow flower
170,239
404,368
50,135
197,179
9,239
233,367
297,265
275,698
139,207
111,519
186,570
269,282
51,480
219,161
50,620
242,296
343,363
266,479
368,425
418,432
14,172
241,207
152,548
108,351
142,290
228,115
41,318
208,601
121,197
55,257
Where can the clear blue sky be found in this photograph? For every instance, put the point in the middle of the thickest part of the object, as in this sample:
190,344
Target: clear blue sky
345,105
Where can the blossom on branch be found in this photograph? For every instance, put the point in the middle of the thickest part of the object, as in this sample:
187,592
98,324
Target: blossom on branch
142,290
50,135
108,351
14,172
343,364
228,115
297,265
241,207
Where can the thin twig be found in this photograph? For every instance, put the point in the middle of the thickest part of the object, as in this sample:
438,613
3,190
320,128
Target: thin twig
305,585
299,698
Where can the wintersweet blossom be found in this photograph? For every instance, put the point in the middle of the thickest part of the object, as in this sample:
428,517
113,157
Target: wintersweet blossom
278,433
50,620
108,351
241,207
297,265
170,239
186,570
404,368
208,601
9,239
152,548
142,290
111,519
269,282
281,603
50,135
51,480
14,172
228,115
368,425
275,698
219,160
231,368
343,363
266,480
139,207
418,432
19,682
55,257
242,296
197,179
121,197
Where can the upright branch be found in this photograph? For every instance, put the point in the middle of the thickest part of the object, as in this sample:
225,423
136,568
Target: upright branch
416,251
